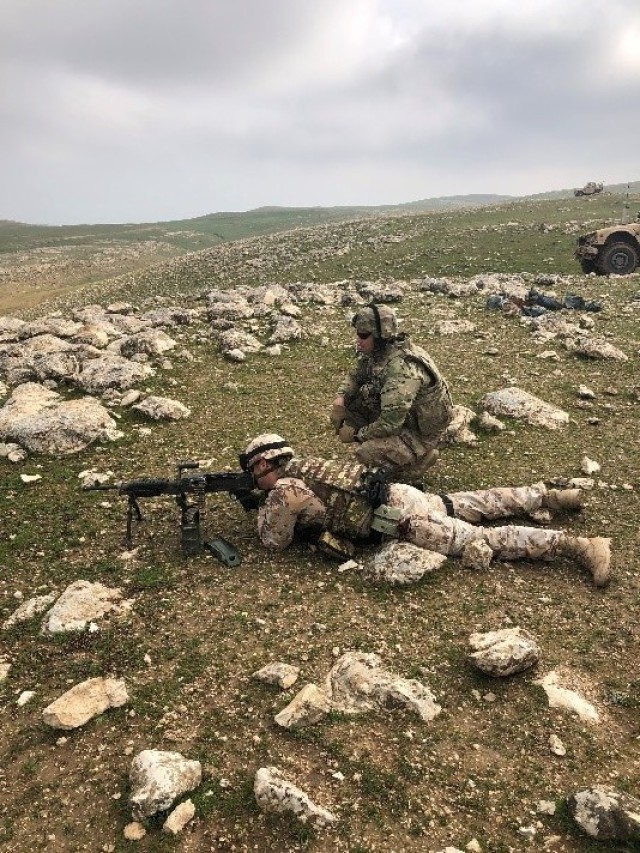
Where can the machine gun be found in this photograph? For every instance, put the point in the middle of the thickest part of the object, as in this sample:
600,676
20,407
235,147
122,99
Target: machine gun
189,491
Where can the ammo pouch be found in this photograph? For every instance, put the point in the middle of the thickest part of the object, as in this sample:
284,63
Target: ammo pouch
335,547
386,519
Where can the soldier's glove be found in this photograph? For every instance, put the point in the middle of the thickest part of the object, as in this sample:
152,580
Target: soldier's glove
337,416
347,434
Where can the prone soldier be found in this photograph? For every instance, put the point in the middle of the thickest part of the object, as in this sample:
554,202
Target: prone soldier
349,500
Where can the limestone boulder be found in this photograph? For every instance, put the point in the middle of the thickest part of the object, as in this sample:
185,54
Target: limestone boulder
502,653
81,604
58,326
41,421
595,348
459,430
235,339
275,793
179,818
29,609
111,371
514,402
153,342
562,695
158,778
286,329
237,308
307,707
162,409
358,682
281,674
170,316
85,701
606,814
400,564
10,328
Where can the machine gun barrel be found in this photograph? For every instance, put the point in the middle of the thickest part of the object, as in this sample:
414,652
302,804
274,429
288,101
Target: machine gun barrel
189,491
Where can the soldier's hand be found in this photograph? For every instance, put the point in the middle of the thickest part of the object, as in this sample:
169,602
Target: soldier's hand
347,434
337,415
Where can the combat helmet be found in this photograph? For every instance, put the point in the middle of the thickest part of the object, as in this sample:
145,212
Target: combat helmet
378,320
269,445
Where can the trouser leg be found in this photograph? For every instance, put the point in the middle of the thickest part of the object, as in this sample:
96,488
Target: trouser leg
449,536
489,504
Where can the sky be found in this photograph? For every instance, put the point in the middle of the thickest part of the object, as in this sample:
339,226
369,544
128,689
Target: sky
153,110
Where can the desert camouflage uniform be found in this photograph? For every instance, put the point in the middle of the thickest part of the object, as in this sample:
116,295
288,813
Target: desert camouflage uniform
399,404
428,519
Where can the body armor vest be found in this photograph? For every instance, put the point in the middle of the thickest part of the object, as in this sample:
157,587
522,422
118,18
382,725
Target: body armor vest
432,409
344,488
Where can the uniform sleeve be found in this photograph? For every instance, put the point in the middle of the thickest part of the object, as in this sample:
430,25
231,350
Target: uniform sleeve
289,504
400,388
350,385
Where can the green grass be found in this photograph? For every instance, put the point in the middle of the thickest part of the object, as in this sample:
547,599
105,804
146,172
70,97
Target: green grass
206,628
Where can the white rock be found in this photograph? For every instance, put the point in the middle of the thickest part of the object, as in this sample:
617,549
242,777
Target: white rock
30,608
281,674
5,667
606,814
502,653
25,696
134,831
546,807
515,403
179,818
488,423
586,393
586,483
82,602
589,466
85,701
566,699
162,408
274,793
42,422
357,682
158,778
401,563
30,478
556,746
307,707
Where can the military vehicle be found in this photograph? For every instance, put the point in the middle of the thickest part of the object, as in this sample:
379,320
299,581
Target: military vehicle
591,188
609,251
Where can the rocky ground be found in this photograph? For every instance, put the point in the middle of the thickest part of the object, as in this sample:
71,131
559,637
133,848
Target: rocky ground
189,359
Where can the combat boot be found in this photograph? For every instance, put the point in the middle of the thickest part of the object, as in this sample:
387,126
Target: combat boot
594,554
563,499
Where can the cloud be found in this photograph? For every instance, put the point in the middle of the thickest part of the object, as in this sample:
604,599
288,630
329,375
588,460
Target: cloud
160,108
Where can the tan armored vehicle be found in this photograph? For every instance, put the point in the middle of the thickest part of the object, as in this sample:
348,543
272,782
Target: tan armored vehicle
592,188
613,250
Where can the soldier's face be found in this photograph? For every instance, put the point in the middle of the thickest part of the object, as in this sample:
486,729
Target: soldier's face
365,342
264,475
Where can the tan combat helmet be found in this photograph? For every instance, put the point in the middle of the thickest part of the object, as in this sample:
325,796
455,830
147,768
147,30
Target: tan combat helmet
269,445
378,320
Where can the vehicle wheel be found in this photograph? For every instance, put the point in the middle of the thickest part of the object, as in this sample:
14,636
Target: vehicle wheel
578,193
588,265
618,259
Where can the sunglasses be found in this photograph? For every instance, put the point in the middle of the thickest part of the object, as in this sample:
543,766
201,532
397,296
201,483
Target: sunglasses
363,335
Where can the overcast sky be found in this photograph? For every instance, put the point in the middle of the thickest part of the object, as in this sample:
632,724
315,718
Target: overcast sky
148,110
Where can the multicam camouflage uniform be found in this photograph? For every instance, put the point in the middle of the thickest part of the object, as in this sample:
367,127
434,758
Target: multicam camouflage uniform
399,404
314,495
